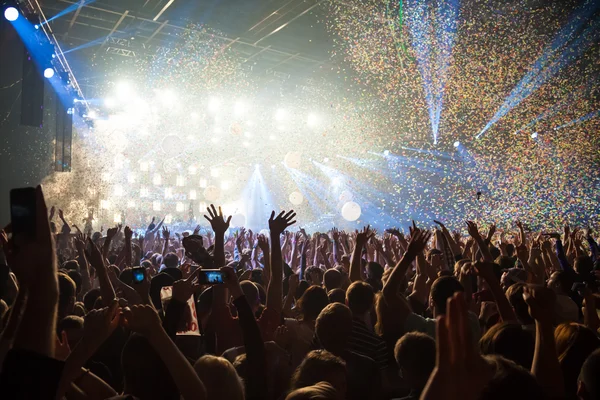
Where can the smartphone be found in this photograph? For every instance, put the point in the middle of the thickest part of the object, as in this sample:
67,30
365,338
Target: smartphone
210,277
23,212
139,274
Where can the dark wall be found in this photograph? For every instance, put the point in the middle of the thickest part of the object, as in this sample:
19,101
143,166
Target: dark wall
26,153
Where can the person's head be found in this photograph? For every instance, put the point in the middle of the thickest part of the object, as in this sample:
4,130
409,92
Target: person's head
510,381
560,282
314,275
589,384
145,375
220,379
510,341
442,289
312,302
66,297
252,295
321,366
337,296
510,249
77,279
359,298
320,391
511,276
302,286
333,327
505,262
583,265
514,294
574,343
73,327
332,279
70,265
374,270
171,260
89,299
415,355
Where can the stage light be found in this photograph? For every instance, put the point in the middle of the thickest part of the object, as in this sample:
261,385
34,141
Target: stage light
534,135
11,14
131,178
192,170
456,144
179,206
180,180
193,195
156,205
156,179
167,98
203,183
92,114
312,120
168,193
36,26
215,172
326,160
144,192
168,219
130,203
257,166
104,204
386,153
48,73
214,104
117,218
280,114
123,90
225,185
110,102
143,166
239,108
337,181
119,190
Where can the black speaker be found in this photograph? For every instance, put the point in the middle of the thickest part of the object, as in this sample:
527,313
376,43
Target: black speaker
32,95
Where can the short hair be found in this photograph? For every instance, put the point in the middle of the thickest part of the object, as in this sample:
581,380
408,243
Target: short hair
360,297
442,289
511,381
337,296
69,322
374,270
314,269
316,367
514,294
505,262
77,279
251,292
320,391
589,375
416,352
312,302
332,279
510,341
89,299
302,286
66,289
171,260
220,378
334,325
70,265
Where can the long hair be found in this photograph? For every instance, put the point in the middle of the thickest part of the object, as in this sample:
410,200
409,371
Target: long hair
220,378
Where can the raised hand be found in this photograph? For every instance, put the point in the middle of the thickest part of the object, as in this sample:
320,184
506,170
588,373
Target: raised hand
111,232
61,347
473,231
128,233
217,221
231,282
541,303
280,223
417,243
196,230
142,319
262,243
166,234
94,256
61,215
364,235
52,211
100,324
183,289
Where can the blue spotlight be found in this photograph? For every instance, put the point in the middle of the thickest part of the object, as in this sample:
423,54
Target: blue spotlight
456,144
534,135
36,26
48,73
386,153
11,14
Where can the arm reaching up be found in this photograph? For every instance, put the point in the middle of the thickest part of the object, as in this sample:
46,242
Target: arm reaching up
277,226
219,226
362,238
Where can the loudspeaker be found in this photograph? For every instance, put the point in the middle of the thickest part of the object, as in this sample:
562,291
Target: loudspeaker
32,95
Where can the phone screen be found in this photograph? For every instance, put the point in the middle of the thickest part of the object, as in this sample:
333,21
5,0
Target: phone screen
23,211
139,274
210,277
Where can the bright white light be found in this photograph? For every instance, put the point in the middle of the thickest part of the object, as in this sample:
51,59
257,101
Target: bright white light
117,218
250,123
225,185
168,219
168,193
105,177
534,135
326,160
180,180
273,166
11,14
247,134
192,170
48,73
456,144
156,205
119,190
272,137
36,26
104,204
215,172
110,102
312,120
143,166
195,116
156,179
202,207
386,153
203,183
246,143
214,104
193,195
167,97
131,178
239,108
257,166
179,207
130,203
280,114
144,192
214,140
337,181
124,91
92,114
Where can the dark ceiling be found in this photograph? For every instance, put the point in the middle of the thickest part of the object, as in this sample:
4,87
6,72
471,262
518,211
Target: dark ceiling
276,36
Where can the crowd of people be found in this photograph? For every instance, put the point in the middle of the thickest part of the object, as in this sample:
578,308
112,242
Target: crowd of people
337,315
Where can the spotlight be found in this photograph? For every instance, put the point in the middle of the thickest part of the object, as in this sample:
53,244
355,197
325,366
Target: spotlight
239,108
326,160
123,90
214,104
92,114
48,73
312,120
11,14
386,153
272,166
534,135
456,144
257,166
109,102
36,26
280,114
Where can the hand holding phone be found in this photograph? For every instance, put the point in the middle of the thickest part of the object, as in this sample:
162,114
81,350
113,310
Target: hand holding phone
139,274
210,277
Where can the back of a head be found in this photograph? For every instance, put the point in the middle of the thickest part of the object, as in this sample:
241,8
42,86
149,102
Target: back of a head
70,265
333,326
144,374
337,296
89,299
77,279
319,366
360,297
415,354
511,381
312,302
509,341
583,265
332,279
589,384
319,391
220,378
442,289
171,260
251,292
374,270
67,291
515,298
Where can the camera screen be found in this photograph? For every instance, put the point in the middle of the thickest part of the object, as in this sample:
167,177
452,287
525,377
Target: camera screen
138,276
214,277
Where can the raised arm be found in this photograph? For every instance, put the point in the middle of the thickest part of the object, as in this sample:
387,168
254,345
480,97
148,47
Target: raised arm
219,226
263,244
97,261
486,271
166,234
362,237
485,250
277,226
128,251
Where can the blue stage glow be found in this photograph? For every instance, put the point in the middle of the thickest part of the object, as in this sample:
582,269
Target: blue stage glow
70,9
11,14
386,153
589,116
456,144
